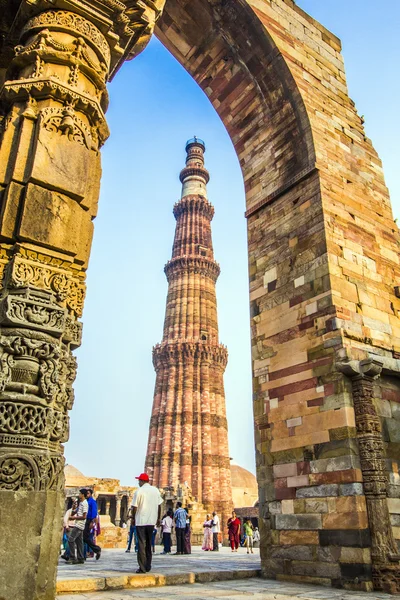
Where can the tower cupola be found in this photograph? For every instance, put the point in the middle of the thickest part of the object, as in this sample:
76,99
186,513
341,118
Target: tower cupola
194,177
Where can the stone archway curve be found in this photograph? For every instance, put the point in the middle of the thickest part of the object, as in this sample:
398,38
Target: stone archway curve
230,54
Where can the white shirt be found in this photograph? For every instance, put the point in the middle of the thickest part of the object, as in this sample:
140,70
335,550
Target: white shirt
167,524
82,510
215,528
146,499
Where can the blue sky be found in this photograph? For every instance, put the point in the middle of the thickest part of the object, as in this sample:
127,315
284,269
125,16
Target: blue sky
155,107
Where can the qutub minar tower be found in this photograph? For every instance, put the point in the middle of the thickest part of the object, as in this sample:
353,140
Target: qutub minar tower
188,440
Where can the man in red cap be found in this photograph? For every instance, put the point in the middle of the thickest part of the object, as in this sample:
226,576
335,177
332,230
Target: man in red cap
146,512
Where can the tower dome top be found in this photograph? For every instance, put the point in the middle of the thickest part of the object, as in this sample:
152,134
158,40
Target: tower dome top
195,141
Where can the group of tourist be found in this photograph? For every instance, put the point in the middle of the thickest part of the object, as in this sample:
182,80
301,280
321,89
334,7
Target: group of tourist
81,526
212,528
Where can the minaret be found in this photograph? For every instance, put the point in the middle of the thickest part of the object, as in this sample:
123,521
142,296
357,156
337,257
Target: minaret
188,439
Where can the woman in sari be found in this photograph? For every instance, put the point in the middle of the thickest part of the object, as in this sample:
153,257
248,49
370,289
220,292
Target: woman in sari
187,544
234,531
208,536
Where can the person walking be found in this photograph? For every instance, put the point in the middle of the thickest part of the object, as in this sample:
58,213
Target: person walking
248,530
256,536
166,525
132,532
208,536
75,538
91,518
187,542
215,531
68,524
234,531
146,512
180,517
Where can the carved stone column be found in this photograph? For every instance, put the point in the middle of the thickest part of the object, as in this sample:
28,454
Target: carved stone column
108,505
118,511
384,554
54,64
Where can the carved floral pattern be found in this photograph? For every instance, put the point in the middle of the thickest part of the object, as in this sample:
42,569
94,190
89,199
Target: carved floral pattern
72,23
30,472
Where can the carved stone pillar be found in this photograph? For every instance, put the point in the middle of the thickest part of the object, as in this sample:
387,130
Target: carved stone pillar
118,512
384,554
108,505
54,65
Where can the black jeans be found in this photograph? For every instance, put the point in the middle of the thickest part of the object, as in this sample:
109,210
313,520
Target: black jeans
180,539
167,542
144,555
215,541
87,540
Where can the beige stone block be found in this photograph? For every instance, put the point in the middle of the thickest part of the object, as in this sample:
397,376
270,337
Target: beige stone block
353,520
298,481
293,538
355,555
394,505
287,507
270,275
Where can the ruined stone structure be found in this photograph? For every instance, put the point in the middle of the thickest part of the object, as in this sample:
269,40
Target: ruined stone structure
188,438
323,258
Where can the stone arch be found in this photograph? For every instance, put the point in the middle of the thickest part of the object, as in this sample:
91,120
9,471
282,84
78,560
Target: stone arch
250,87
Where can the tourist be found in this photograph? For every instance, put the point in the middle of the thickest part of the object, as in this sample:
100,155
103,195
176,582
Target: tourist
166,525
208,536
75,538
68,524
215,531
248,530
91,519
180,527
153,540
256,536
146,511
187,545
234,531
132,532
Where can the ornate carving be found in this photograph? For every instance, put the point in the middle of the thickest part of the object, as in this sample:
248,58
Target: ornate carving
65,122
23,272
372,455
16,473
191,264
30,472
75,53
70,23
21,310
34,420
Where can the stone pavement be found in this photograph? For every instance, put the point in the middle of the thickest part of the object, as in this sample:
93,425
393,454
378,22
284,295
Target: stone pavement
250,589
116,569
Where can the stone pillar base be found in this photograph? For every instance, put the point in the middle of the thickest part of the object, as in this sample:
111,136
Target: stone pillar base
29,548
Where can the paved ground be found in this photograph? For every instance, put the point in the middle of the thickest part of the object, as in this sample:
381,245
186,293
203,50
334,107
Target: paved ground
250,589
117,562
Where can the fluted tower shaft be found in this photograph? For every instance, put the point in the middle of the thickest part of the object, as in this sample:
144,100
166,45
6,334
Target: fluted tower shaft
188,440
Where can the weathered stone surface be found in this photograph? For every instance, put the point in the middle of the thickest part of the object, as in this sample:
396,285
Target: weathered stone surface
298,522
318,491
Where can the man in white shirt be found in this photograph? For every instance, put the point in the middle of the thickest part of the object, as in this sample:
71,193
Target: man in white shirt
146,512
215,531
75,538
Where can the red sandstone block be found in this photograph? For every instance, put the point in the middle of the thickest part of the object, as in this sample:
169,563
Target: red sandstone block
315,402
348,476
292,388
280,483
393,395
305,366
303,468
285,493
